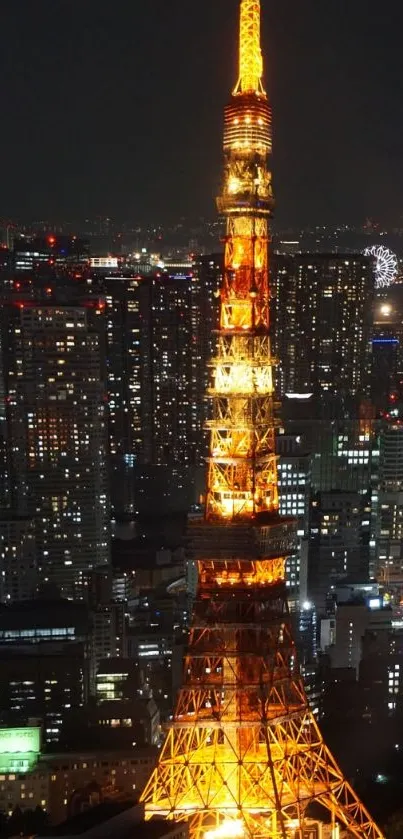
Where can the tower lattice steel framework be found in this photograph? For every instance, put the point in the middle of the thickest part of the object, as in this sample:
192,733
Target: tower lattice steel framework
244,756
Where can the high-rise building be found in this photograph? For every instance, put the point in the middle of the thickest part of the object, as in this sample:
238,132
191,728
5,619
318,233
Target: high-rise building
344,471
340,527
172,345
5,275
386,350
18,561
127,381
353,620
207,279
345,452
387,347
322,322
159,339
381,671
108,621
294,494
169,410
53,357
44,662
48,255
107,636
389,533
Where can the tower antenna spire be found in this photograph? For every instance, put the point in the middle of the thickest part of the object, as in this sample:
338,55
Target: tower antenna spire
250,53
244,758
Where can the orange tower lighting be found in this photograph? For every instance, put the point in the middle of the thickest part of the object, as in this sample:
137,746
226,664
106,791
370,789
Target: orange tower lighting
244,756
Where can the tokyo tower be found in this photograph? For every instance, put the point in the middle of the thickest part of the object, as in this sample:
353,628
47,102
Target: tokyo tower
244,756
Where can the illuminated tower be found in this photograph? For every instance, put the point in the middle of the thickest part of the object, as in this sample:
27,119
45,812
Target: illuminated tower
244,756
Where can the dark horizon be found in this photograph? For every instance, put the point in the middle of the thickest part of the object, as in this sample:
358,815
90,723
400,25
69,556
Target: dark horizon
117,110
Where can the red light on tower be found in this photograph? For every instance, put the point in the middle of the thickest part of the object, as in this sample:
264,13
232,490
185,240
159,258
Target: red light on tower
51,240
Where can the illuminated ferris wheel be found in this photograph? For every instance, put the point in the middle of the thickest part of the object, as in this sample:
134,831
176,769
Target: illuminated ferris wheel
386,265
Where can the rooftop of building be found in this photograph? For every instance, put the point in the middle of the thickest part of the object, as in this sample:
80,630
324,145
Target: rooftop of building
91,818
138,707
114,820
122,666
312,256
43,613
132,753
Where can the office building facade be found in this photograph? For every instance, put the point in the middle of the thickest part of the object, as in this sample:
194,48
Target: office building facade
18,561
389,532
54,360
294,490
125,297
322,326
340,529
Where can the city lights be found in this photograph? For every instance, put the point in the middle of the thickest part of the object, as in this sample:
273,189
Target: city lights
201,424
243,753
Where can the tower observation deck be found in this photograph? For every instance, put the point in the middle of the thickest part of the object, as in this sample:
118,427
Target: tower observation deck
243,756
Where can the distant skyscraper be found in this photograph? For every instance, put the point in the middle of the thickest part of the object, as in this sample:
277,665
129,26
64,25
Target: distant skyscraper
323,314
207,279
158,345
126,382
294,489
339,542
55,401
169,410
18,561
387,347
389,536
4,466
48,255
322,321
344,476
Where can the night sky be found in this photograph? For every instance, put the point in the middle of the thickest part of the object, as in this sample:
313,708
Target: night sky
115,108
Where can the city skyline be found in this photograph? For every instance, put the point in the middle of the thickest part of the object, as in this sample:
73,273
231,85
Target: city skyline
202,627
108,103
